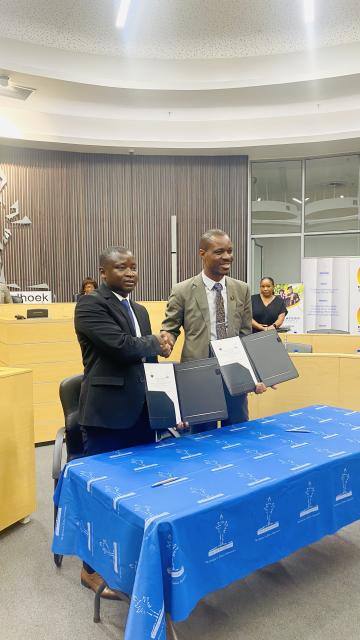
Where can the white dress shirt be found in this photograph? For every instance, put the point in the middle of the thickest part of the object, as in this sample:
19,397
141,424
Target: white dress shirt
137,328
211,297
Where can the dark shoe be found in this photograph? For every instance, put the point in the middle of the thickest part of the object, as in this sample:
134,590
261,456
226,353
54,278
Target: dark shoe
93,581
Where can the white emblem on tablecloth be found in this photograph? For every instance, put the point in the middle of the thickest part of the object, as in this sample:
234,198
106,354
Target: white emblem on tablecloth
147,511
117,494
91,478
187,454
112,553
225,444
143,605
346,491
86,530
70,466
206,496
221,527
310,508
270,526
216,465
253,480
141,465
294,466
330,454
174,571
294,444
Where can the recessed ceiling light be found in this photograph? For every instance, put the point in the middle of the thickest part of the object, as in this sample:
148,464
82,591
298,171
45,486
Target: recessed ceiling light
309,11
122,13
342,196
258,199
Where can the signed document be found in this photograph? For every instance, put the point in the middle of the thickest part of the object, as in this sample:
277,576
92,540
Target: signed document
230,350
161,377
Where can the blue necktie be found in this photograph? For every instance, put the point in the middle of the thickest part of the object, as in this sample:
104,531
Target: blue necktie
126,304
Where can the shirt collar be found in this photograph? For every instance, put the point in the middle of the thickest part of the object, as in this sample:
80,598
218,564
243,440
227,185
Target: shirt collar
119,296
210,283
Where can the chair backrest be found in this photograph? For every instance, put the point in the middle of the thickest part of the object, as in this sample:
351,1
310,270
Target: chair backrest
327,331
300,347
69,396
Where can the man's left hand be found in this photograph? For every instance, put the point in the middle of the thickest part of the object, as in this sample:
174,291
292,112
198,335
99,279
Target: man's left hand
260,388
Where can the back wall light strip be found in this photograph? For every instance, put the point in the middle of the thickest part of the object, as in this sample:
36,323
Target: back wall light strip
123,13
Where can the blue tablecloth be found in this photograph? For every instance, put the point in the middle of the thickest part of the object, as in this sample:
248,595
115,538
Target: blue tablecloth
245,496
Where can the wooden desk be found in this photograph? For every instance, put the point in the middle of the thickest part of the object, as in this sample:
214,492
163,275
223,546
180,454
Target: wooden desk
325,342
326,378
17,453
49,347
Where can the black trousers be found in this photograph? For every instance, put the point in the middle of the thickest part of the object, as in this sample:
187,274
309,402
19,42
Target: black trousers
100,440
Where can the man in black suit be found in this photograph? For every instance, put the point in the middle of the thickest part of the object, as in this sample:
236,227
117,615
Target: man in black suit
115,339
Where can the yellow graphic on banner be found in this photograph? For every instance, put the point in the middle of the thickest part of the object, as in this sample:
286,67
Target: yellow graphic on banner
358,316
358,276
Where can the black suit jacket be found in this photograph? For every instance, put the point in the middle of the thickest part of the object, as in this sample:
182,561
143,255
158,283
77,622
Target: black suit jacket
113,390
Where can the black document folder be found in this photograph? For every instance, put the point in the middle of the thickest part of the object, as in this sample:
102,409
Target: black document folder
269,361
200,393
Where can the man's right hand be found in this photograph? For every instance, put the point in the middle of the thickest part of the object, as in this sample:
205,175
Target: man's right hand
165,344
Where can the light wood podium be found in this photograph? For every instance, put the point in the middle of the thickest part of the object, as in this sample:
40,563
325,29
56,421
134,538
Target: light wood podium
17,452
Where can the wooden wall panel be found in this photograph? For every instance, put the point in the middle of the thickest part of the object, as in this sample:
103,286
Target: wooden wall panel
81,203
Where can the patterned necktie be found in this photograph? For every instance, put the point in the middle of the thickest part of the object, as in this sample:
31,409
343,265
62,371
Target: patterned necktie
126,304
220,312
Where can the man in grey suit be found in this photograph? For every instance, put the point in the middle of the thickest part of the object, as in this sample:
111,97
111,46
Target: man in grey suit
5,297
211,306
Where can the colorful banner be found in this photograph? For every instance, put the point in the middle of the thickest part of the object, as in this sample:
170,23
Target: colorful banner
354,302
293,296
326,282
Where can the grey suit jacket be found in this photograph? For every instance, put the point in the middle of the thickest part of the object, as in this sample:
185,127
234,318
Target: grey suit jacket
5,297
188,308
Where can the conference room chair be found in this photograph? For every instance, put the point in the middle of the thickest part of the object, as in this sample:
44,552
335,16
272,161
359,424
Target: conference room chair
70,434
298,347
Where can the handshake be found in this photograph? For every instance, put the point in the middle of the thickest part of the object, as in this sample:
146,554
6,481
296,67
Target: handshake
166,341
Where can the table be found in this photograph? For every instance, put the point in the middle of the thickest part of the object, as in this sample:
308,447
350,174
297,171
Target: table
245,496
17,452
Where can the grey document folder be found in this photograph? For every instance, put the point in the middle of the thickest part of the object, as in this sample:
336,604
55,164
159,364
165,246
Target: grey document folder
201,392
269,358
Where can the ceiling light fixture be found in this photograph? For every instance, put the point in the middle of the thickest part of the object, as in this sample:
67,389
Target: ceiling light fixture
258,199
122,13
309,11
297,200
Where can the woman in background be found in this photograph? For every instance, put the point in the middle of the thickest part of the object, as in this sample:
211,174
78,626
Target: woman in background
88,285
269,310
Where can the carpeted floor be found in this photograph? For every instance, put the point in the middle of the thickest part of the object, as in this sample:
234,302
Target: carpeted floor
313,594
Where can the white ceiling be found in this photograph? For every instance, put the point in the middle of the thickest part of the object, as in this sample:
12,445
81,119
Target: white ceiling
186,75
179,29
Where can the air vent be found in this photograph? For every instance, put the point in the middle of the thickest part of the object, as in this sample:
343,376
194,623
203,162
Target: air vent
10,90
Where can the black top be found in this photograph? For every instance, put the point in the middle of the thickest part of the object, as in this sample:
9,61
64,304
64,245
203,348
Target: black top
266,314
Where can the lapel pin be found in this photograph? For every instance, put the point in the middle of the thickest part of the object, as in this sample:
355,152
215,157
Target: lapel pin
232,297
